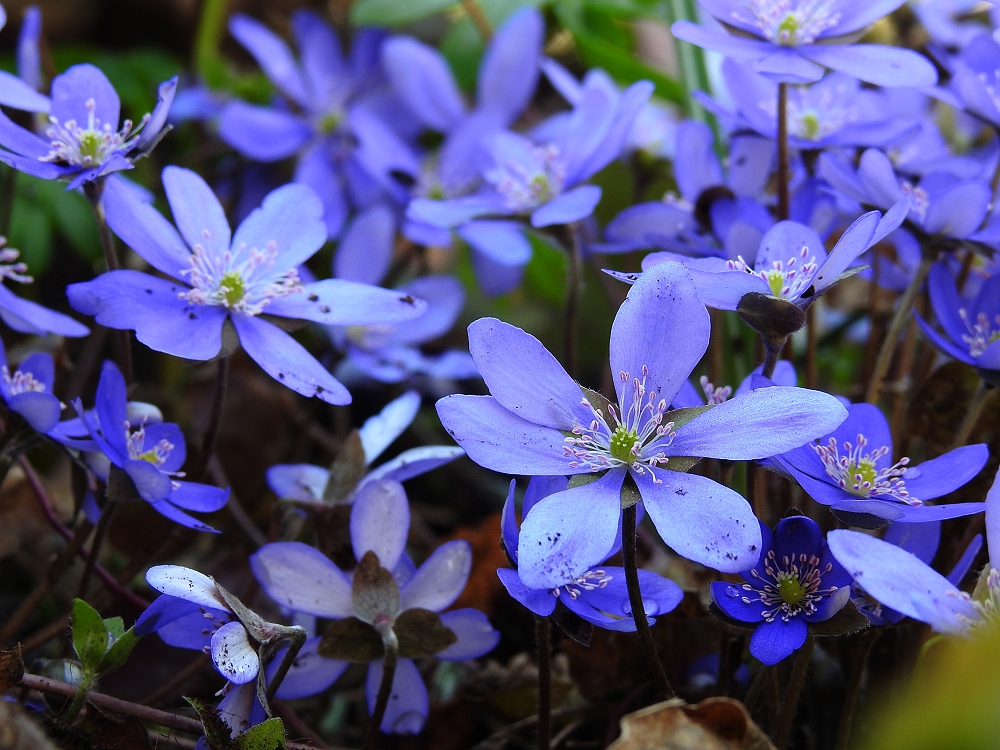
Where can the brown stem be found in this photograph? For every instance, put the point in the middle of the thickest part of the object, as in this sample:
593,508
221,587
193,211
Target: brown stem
43,499
865,642
297,636
811,344
976,408
384,689
799,669
895,328
56,570
543,642
783,151
771,357
574,277
214,420
177,681
94,191
475,12
635,600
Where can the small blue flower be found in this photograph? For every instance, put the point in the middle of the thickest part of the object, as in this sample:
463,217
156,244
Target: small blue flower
599,595
83,141
852,469
151,454
24,315
797,581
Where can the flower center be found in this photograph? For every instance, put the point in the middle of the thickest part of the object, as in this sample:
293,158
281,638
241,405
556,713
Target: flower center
589,581
981,333
90,146
329,122
919,201
241,280
632,435
789,587
786,279
21,382
10,268
714,395
137,451
789,22
526,186
857,472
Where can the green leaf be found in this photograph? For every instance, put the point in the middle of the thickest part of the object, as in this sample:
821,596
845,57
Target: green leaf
115,626
90,635
268,735
394,12
545,274
119,652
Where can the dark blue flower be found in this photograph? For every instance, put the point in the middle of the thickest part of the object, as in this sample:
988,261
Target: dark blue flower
797,581
150,454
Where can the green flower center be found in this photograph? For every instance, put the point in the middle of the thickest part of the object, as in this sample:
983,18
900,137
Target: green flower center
542,188
330,122
791,590
865,469
775,280
810,125
788,27
233,288
622,442
90,144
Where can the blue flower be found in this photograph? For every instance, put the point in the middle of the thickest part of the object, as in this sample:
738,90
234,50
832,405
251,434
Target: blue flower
83,141
150,454
304,580
28,390
215,277
331,116
794,40
598,595
21,91
970,328
796,582
852,469
539,422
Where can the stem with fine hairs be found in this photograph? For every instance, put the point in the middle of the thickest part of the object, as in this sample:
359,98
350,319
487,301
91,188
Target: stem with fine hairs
783,171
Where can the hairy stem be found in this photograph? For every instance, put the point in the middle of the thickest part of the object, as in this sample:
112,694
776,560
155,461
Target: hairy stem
214,420
976,408
384,689
574,278
543,642
783,151
771,357
95,193
103,524
899,319
783,730
756,688
635,599
865,642
297,636
79,697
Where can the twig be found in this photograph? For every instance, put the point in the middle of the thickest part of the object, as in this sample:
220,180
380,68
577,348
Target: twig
865,642
103,524
976,408
178,680
475,12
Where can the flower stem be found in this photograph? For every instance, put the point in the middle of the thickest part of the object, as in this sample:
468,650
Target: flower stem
783,730
384,689
976,408
772,357
95,194
756,688
782,151
543,642
297,636
635,599
103,524
214,420
79,697
865,642
574,278
811,345
895,328
474,11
